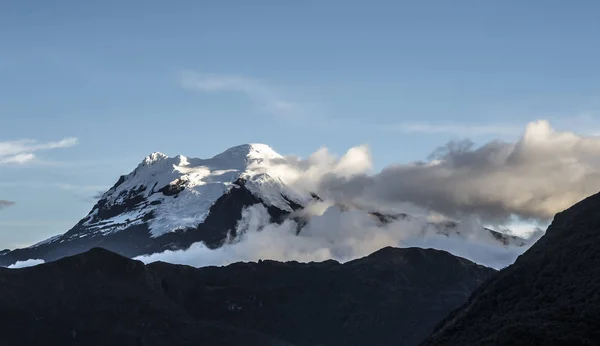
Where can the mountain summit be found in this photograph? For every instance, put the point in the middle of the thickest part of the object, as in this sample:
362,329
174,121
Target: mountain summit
172,202
172,194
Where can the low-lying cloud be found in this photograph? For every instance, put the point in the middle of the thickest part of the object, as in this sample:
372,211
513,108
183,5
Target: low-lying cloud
333,233
26,263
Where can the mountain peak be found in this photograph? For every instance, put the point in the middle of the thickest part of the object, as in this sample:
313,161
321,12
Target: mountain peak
173,194
249,151
239,155
154,157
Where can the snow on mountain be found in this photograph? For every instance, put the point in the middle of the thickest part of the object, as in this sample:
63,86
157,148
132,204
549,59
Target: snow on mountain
177,193
47,241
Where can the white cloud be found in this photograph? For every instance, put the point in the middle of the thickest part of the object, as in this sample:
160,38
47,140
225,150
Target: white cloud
18,158
23,151
81,188
341,235
307,174
26,263
265,97
40,184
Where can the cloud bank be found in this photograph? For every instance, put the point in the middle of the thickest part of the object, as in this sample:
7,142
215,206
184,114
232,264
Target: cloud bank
24,150
544,172
333,233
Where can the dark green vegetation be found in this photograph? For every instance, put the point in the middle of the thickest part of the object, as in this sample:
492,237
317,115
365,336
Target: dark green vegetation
392,297
550,296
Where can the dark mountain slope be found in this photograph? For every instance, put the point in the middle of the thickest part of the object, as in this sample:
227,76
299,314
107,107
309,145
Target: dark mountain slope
392,297
549,296
101,298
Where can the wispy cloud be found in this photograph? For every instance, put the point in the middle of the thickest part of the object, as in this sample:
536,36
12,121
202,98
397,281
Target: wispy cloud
85,188
468,130
44,223
265,97
87,193
4,203
24,150
39,184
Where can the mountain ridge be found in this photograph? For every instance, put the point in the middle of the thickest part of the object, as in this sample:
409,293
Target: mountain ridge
395,296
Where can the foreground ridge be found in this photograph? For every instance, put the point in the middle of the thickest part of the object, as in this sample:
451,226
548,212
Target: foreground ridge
549,296
392,297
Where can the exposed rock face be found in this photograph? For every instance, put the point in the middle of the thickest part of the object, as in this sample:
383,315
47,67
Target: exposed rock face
392,297
549,296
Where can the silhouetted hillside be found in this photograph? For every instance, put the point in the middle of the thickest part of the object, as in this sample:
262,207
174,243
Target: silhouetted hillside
392,297
550,296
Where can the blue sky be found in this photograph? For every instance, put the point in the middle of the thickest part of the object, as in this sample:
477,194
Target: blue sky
127,78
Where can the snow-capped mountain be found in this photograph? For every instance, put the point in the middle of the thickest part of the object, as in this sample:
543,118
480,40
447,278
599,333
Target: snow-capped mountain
169,203
172,202
175,194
